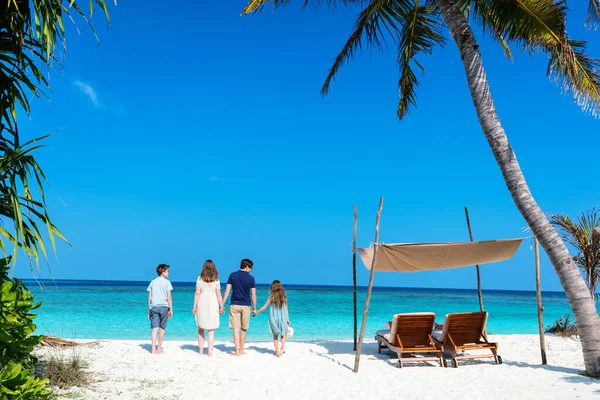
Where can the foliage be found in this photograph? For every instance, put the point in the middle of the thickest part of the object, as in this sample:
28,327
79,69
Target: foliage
16,320
16,382
66,371
579,233
16,340
562,327
29,33
415,28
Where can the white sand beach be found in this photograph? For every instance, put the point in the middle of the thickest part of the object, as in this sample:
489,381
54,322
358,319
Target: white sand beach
322,370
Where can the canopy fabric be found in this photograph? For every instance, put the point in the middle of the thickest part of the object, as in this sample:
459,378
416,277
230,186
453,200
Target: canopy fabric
417,257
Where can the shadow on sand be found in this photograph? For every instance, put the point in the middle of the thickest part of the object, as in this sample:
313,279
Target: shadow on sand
194,348
146,346
389,357
262,350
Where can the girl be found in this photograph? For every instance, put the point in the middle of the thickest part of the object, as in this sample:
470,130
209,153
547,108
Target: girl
278,315
208,304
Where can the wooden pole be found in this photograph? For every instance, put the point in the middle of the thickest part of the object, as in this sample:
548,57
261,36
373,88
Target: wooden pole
538,292
354,272
370,289
476,266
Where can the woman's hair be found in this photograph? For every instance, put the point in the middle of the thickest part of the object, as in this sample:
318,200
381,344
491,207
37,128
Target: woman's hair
209,272
278,297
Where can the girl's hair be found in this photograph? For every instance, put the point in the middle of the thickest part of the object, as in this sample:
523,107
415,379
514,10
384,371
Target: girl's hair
278,297
209,272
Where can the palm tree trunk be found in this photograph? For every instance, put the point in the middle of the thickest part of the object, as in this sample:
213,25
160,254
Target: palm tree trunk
588,321
591,282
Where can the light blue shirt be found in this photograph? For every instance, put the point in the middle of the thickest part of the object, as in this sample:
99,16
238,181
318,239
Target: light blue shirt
159,288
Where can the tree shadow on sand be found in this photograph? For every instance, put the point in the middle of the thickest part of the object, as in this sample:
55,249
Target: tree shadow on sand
575,375
370,350
347,348
552,368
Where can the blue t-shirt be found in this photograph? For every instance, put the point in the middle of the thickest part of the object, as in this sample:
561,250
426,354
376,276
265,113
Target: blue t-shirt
241,282
160,288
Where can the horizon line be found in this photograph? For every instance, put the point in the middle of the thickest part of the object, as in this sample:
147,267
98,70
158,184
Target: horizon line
190,283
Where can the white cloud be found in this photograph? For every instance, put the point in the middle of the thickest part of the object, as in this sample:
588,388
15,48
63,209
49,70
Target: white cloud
88,91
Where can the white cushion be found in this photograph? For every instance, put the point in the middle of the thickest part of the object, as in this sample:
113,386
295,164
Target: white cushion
384,333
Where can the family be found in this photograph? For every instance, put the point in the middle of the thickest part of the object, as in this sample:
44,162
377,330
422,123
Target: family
209,305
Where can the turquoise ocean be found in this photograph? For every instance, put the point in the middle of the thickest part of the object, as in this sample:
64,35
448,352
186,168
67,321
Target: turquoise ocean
118,310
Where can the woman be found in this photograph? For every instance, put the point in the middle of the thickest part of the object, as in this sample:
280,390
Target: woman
208,304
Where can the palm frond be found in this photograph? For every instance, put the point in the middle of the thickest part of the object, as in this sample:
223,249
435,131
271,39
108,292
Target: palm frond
18,202
421,31
30,31
580,235
539,25
481,13
593,16
379,18
254,6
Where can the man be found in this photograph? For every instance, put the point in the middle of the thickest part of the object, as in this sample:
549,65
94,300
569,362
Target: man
242,285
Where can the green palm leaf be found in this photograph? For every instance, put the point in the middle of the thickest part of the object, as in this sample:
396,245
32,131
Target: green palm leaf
593,17
540,25
30,31
379,18
420,33
579,233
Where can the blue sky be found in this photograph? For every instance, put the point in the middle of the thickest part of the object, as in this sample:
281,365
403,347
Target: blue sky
190,133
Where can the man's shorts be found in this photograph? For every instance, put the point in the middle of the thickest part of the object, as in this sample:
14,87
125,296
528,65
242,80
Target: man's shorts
239,317
159,317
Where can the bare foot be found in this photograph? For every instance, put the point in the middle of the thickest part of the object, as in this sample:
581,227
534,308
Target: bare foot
277,354
200,353
160,351
242,353
236,354
210,353
154,351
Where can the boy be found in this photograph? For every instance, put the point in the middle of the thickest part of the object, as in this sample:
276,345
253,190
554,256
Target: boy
241,284
160,305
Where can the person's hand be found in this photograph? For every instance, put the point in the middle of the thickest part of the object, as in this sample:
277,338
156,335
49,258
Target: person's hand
254,313
170,314
194,311
221,310
149,316
288,322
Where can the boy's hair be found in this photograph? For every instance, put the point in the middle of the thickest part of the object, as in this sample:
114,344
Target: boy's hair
246,262
161,268
209,272
277,294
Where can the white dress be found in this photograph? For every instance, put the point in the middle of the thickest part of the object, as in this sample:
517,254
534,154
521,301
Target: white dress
207,309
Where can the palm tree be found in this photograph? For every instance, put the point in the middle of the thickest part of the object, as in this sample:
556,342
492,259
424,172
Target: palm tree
29,34
417,26
581,235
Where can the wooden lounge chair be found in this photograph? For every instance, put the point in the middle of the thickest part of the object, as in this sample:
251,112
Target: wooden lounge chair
409,334
463,332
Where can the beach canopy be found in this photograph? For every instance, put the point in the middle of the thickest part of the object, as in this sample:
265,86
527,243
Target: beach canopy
417,257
